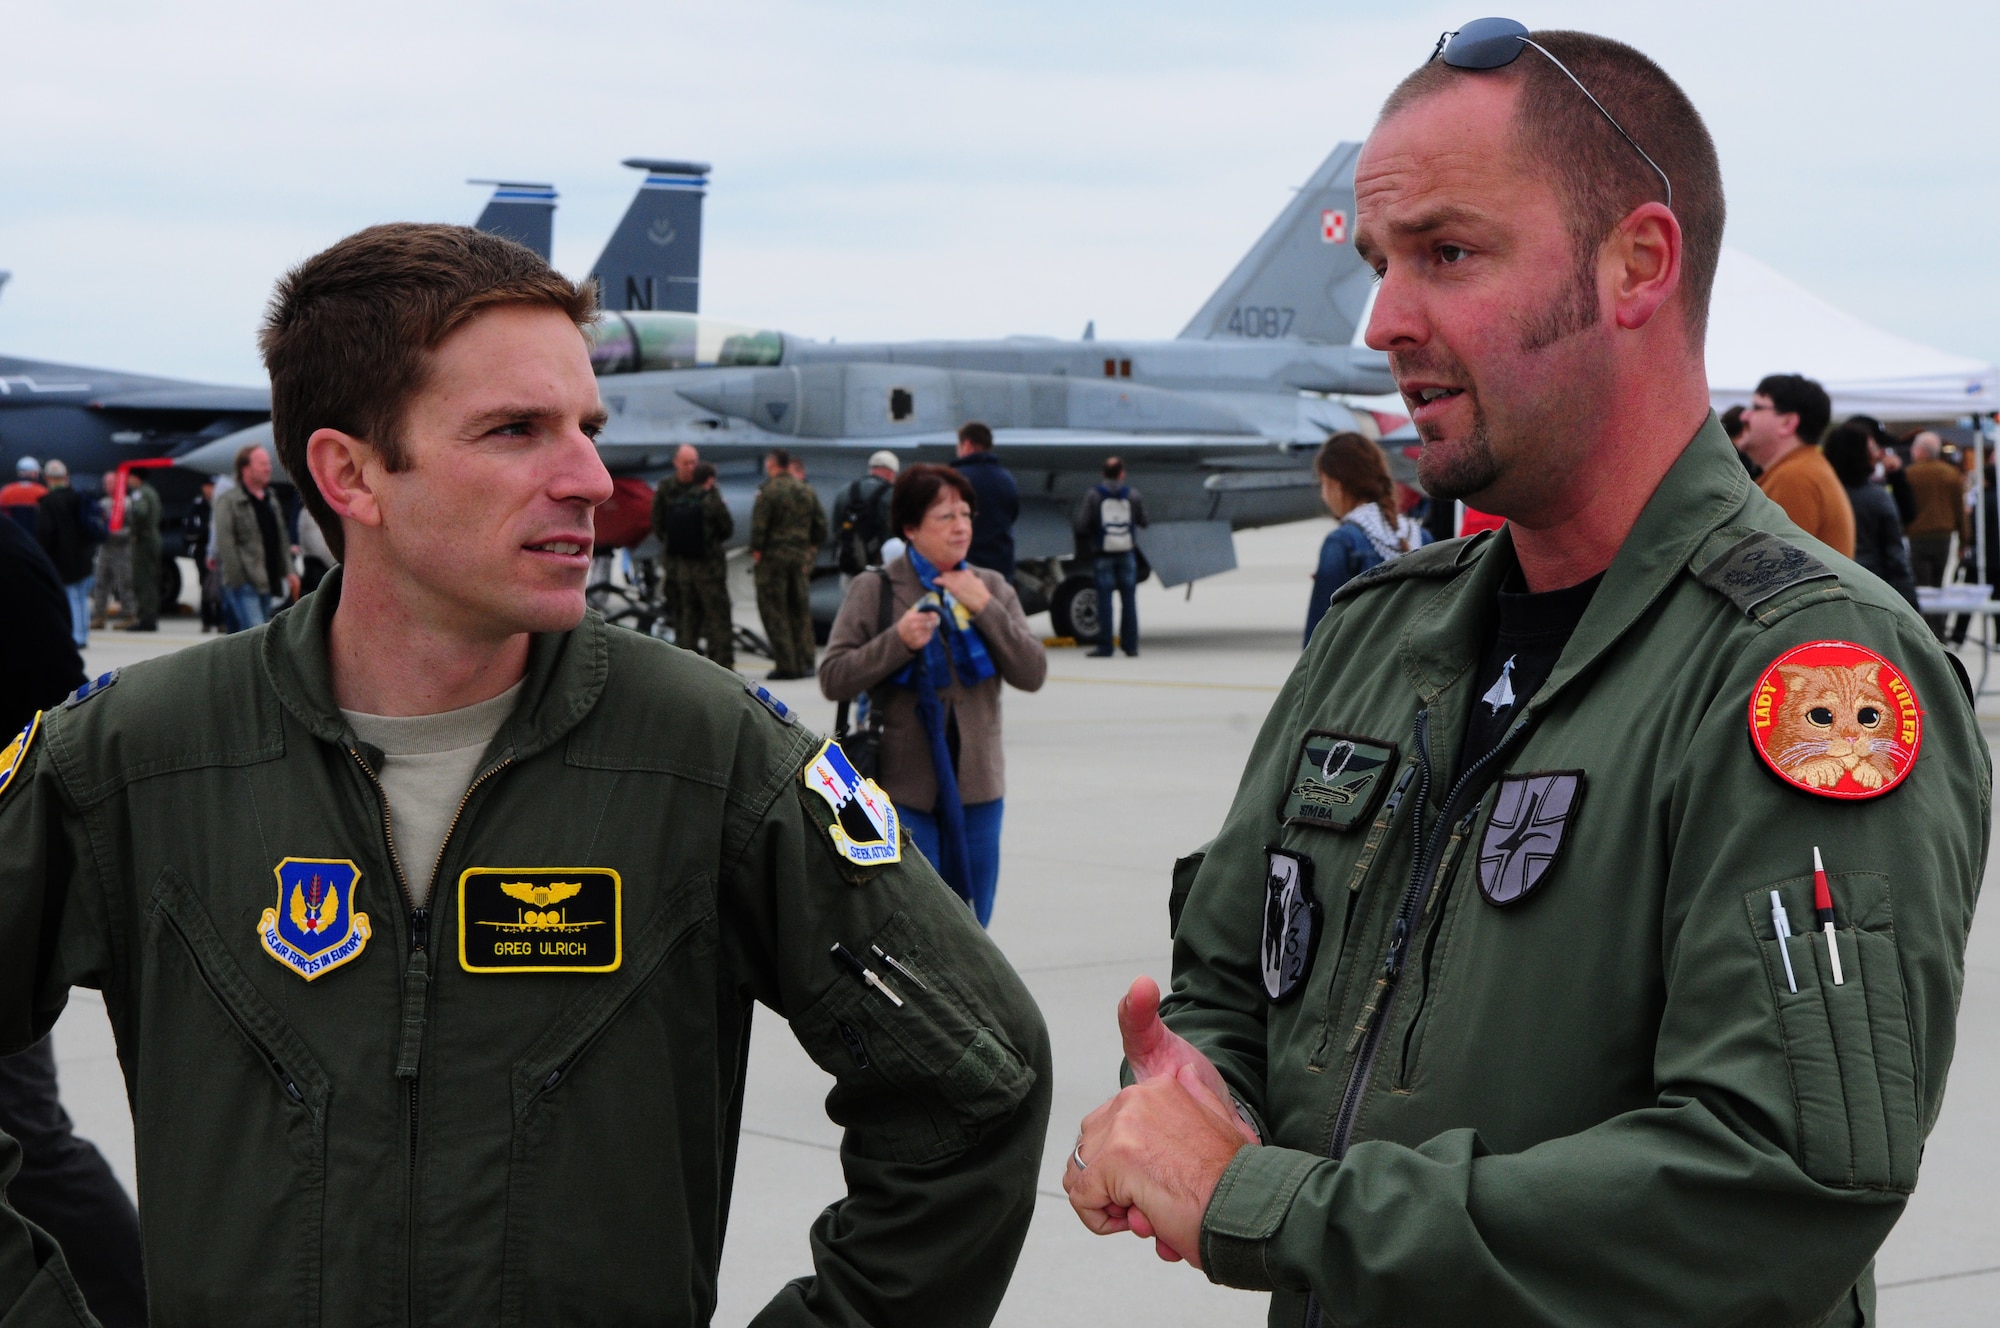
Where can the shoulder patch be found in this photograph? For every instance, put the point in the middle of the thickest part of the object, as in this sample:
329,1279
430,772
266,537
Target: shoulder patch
1437,562
763,697
1757,567
16,751
863,824
101,683
1836,719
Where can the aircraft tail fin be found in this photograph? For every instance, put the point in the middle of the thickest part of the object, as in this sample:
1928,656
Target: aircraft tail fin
653,259
1302,279
520,212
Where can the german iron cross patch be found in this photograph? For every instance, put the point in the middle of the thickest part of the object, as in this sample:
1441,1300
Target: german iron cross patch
1525,834
1291,923
314,929
1836,719
1336,780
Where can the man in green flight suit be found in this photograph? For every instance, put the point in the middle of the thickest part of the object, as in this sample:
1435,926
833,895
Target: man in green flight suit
670,491
787,528
698,527
431,915
1509,992
142,518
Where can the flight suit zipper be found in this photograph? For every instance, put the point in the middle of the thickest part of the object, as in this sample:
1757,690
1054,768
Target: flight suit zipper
1336,990
416,987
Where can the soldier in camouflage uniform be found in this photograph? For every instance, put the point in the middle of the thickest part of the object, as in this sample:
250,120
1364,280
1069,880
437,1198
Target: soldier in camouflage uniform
701,585
672,489
787,526
142,518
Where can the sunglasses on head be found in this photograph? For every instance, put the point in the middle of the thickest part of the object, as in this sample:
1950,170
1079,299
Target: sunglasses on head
1490,43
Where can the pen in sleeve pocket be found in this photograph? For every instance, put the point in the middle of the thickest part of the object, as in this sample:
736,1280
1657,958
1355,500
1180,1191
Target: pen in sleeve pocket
1783,926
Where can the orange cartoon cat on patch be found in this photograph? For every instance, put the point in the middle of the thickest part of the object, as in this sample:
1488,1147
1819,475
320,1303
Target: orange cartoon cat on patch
1835,719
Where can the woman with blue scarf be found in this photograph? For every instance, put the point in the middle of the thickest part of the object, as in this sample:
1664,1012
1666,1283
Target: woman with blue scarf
955,633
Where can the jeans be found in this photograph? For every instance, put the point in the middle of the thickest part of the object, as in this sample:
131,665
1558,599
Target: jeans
78,593
982,844
1121,570
244,607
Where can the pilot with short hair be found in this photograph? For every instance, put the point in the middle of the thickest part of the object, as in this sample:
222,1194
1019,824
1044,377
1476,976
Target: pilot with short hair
431,915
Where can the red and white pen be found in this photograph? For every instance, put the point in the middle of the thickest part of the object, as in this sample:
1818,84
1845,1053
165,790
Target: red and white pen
1823,903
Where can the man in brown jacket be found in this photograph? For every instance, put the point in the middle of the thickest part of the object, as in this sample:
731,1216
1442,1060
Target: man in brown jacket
1781,430
1940,493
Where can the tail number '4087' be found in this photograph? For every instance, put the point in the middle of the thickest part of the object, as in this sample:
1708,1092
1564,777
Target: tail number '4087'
1260,320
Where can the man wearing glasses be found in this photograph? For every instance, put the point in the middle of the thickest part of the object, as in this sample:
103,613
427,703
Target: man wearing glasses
1509,991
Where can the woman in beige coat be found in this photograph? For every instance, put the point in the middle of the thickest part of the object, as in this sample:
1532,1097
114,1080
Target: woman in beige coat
955,633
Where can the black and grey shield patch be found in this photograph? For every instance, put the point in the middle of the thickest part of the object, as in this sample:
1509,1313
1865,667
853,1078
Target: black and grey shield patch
1531,818
1291,922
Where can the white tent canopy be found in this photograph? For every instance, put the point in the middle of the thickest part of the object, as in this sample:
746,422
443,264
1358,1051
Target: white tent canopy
1761,323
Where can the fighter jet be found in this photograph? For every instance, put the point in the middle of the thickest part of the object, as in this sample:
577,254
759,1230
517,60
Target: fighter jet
1216,426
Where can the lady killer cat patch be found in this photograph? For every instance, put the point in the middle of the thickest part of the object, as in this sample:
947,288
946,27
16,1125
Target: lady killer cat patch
1837,720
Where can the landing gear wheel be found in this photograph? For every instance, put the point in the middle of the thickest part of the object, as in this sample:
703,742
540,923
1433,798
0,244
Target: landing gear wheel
1073,609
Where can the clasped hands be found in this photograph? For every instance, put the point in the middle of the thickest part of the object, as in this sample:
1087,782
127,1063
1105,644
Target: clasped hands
1152,1155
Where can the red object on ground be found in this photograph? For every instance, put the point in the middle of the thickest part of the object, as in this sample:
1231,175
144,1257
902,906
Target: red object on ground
625,519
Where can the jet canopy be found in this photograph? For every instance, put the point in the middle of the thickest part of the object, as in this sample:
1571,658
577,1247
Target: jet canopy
634,341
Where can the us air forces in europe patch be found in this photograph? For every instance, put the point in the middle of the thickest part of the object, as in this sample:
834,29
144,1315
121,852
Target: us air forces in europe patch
540,920
1291,922
314,929
1836,720
1525,835
16,751
1336,781
865,829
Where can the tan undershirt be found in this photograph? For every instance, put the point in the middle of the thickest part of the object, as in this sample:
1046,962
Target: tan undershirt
427,763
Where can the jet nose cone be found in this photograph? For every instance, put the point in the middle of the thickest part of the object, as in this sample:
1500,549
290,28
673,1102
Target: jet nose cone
765,397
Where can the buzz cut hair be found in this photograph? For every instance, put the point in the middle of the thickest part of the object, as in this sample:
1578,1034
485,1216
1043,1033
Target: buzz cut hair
1593,170
349,333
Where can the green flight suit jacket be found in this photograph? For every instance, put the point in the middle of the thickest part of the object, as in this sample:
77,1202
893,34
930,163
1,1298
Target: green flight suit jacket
401,1140
1601,1103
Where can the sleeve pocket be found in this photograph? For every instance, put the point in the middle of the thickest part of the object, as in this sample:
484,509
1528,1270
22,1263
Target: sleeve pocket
946,1074
1185,870
1849,1047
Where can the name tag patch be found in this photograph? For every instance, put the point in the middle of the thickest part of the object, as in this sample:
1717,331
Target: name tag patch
540,920
1336,781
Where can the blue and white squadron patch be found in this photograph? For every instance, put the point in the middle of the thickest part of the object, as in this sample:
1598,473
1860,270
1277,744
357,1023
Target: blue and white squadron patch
16,751
771,703
314,929
101,683
865,829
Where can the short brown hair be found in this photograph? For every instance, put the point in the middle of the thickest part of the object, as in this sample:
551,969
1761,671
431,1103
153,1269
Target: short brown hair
1594,171
243,455
977,434
1359,467
917,488
349,331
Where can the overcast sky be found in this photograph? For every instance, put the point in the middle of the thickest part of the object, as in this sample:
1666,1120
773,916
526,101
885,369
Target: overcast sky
887,170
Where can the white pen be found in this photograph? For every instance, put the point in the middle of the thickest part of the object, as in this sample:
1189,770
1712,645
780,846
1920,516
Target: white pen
1783,926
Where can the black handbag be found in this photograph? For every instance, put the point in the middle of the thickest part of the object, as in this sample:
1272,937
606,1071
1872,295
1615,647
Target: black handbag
863,746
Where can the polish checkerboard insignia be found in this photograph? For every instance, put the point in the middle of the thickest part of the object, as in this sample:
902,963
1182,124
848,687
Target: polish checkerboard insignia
1836,720
1291,923
1332,226
1336,780
314,929
1526,833
865,829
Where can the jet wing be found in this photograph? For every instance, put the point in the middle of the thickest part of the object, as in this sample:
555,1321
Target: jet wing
193,398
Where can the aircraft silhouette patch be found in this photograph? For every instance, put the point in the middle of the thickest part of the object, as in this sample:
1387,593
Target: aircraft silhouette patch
1525,836
540,920
1336,780
315,928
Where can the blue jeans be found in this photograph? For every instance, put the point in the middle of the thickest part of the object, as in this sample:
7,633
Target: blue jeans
78,594
1120,570
244,607
982,843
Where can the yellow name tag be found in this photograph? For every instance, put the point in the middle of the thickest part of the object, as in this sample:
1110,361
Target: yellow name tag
540,920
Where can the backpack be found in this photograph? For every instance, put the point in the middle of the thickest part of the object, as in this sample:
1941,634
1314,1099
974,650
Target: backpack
859,531
1114,522
687,527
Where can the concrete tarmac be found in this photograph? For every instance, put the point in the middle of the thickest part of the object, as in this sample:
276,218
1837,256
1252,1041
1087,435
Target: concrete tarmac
1114,769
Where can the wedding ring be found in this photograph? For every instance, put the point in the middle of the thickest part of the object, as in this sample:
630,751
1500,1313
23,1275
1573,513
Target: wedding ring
1076,1154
